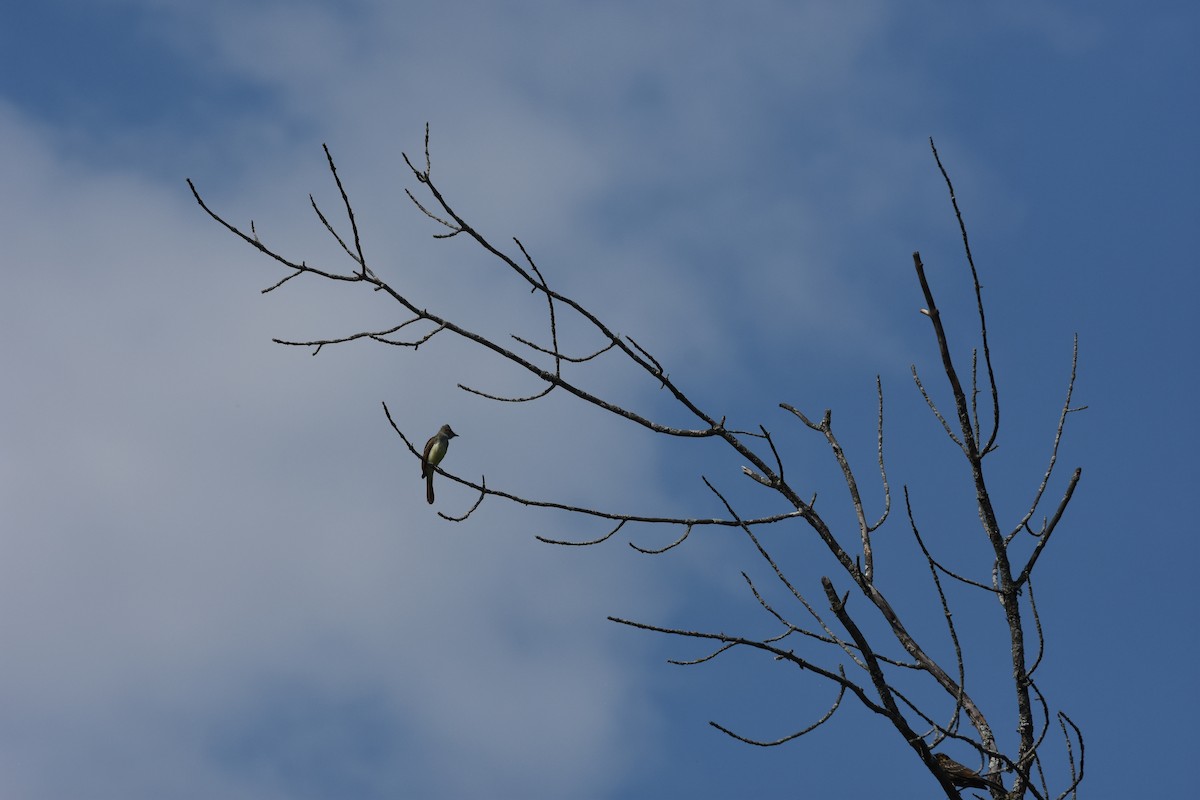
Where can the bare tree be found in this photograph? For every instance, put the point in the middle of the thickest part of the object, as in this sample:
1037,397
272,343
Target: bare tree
871,655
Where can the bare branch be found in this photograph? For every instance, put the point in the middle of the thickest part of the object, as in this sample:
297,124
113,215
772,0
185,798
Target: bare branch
933,407
837,702
573,360
969,445
502,399
360,258
454,229
329,227
887,491
281,281
378,336
882,689
1077,776
839,454
703,659
1037,624
1049,528
590,512
779,653
1058,432
603,538
654,552
254,242
946,614
778,460
987,353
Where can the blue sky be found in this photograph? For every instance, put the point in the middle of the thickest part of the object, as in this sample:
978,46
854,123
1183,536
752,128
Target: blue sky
219,575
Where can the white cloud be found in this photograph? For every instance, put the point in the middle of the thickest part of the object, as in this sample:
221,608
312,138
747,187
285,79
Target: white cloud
192,514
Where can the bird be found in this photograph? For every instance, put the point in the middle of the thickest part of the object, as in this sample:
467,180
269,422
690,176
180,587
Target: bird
960,775
435,451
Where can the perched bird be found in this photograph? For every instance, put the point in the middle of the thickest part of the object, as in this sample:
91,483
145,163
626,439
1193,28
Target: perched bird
960,775
435,451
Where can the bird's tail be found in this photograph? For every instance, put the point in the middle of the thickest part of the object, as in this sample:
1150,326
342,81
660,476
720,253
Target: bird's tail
429,487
